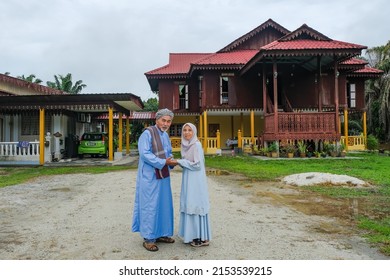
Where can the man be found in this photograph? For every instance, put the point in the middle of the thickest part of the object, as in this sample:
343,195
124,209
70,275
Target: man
153,206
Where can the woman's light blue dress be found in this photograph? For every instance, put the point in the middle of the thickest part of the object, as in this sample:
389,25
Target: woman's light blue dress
194,200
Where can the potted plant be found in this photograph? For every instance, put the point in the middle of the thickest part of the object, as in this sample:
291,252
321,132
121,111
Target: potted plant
290,150
341,149
263,151
317,154
332,150
302,147
273,149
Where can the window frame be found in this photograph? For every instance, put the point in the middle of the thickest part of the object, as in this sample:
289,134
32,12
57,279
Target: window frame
351,95
224,80
183,101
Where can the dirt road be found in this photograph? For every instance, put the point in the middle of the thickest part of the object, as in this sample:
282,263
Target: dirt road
87,217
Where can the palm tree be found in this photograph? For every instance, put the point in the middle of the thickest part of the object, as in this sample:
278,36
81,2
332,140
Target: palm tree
379,93
30,79
65,83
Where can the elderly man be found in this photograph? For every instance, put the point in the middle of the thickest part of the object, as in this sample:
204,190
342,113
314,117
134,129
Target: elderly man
153,206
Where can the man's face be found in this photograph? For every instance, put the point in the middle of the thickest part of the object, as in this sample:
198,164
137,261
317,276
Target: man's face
164,123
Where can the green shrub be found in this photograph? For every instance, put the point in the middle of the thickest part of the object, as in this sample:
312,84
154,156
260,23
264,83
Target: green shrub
372,143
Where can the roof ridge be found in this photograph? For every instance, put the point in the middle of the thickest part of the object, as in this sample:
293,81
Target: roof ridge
305,29
253,32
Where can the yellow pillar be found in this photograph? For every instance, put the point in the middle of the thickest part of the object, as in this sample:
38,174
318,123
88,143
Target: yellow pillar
127,136
120,133
242,123
41,136
365,128
218,139
239,139
205,131
253,127
110,134
346,128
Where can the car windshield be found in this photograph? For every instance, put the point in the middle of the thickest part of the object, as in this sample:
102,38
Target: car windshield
93,137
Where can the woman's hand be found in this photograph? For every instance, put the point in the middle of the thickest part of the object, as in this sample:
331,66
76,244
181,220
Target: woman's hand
171,161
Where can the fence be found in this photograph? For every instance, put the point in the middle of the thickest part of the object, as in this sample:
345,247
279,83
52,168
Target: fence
19,151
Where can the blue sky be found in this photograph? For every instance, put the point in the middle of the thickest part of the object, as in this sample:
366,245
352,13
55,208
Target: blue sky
109,45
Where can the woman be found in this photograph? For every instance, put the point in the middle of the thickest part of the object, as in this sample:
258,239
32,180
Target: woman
194,226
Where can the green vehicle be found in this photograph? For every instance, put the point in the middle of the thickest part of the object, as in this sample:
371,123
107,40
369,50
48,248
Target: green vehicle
94,144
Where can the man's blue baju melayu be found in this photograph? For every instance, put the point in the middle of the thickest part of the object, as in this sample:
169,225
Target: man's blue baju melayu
153,206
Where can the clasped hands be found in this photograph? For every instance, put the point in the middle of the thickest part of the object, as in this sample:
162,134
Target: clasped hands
171,161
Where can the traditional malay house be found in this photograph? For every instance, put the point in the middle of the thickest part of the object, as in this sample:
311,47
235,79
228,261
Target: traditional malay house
39,124
271,85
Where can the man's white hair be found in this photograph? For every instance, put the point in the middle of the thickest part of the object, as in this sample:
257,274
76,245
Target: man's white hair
164,112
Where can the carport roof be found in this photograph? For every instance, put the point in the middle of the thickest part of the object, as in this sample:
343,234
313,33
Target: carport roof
120,102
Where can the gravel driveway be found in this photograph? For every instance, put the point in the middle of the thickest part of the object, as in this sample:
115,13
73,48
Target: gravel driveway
87,217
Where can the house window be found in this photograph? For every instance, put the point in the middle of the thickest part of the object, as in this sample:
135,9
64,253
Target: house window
224,89
200,89
30,124
352,96
183,96
175,130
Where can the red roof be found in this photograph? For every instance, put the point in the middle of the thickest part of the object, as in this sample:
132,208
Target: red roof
354,61
179,63
133,116
303,41
368,70
235,57
305,44
360,68
142,115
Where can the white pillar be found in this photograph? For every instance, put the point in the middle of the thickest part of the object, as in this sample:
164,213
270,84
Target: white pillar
48,147
58,135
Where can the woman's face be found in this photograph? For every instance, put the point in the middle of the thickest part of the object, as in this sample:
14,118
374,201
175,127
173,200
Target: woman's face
187,132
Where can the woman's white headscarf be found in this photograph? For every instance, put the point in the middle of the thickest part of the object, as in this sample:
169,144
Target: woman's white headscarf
188,148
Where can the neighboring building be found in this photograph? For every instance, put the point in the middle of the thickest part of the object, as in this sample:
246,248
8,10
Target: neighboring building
269,85
32,115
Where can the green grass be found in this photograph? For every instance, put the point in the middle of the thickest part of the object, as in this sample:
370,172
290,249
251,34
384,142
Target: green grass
369,167
366,166
378,232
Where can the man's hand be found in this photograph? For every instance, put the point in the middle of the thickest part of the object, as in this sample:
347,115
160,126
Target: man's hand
171,162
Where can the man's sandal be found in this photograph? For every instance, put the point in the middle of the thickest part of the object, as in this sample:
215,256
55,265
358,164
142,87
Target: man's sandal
199,243
165,239
150,246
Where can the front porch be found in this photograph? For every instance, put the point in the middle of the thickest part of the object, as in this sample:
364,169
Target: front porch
285,126
324,127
